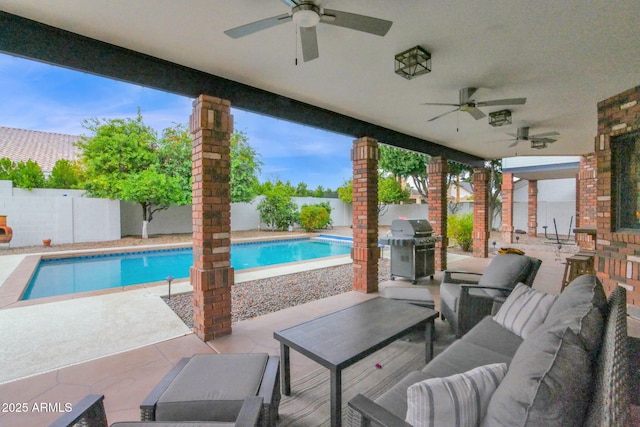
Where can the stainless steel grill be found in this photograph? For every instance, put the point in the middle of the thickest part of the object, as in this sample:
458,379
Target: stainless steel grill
412,248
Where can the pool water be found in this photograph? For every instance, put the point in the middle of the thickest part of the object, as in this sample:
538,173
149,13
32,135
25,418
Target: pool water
90,273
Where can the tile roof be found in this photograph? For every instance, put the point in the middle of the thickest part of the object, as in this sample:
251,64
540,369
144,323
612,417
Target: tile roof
45,148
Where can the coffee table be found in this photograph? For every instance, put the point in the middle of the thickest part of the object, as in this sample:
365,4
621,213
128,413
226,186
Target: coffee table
340,339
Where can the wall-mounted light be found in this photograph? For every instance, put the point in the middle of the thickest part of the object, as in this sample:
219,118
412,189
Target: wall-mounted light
413,62
500,118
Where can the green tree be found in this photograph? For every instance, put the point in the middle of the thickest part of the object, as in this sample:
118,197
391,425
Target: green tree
125,161
302,190
245,168
28,175
345,191
319,191
406,164
174,158
390,191
6,168
277,210
66,174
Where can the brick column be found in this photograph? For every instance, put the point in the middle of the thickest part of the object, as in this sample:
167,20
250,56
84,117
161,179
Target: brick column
507,208
532,223
437,170
587,200
211,274
365,253
481,228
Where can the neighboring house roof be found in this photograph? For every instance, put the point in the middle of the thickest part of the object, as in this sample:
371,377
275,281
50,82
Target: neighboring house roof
45,148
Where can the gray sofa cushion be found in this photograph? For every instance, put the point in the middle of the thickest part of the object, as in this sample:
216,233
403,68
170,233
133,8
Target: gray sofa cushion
462,356
524,310
585,289
580,307
212,387
395,399
504,271
490,335
172,424
547,384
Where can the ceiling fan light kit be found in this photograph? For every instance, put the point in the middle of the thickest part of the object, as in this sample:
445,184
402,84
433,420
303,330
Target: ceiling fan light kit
538,145
306,15
500,118
413,62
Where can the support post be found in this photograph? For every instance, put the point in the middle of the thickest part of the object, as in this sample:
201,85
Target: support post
481,226
507,208
211,274
532,223
437,169
365,252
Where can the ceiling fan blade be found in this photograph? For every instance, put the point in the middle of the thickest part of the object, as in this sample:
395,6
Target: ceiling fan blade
309,42
514,143
290,3
477,114
441,103
245,30
497,102
444,114
543,135
376,26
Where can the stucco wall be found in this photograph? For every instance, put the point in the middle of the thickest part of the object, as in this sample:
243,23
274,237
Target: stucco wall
556,199
64,216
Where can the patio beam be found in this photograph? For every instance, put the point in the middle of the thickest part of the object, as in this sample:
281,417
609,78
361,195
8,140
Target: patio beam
33,40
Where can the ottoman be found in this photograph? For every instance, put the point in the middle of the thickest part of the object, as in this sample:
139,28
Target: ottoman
212,387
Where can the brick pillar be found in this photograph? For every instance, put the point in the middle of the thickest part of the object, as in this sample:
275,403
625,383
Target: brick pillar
532,223
211,274
507,208
365,253
437,170
587,200
481,228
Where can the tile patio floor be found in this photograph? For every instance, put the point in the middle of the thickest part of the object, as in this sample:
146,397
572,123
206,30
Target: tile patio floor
125,379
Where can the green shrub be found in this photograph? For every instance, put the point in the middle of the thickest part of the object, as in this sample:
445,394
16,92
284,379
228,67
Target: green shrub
277,210
313,217
460,228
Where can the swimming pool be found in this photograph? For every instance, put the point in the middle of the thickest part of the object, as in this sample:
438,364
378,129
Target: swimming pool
90,273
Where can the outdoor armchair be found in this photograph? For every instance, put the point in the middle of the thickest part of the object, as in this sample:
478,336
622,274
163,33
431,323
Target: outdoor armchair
466,297
90,412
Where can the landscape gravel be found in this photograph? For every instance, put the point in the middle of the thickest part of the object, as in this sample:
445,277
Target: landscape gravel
260,297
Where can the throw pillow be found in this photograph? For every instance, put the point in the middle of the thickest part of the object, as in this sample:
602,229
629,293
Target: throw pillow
548,383
459,400
524,310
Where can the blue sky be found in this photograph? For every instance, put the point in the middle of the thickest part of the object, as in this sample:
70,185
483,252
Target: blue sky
42,97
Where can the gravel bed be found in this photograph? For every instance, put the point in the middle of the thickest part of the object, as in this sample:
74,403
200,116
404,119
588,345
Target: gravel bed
259,297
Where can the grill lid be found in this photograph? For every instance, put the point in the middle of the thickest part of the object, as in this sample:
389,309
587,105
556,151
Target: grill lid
411,228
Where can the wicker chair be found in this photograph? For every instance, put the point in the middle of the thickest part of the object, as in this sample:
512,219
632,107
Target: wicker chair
466,297
89,412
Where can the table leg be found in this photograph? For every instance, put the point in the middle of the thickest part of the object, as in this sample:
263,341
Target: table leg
336,397
428,341
285,373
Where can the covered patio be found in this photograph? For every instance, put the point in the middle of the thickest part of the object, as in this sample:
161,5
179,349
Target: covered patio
571,62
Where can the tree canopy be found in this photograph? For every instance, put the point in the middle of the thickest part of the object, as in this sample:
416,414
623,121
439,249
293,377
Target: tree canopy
245,168
125,160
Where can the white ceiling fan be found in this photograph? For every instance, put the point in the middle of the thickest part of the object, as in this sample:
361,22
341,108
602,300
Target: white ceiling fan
306,14
470,105
538,141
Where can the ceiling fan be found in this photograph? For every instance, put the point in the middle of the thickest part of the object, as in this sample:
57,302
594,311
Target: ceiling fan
538,141
306,14
470,105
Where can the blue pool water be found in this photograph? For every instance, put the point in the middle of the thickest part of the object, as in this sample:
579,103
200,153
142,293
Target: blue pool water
90,273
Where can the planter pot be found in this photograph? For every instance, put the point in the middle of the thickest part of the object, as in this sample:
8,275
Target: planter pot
46,242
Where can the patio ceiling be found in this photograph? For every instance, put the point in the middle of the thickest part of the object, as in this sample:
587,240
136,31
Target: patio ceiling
563,57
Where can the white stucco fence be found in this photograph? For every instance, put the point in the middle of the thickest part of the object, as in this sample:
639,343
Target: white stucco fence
67,216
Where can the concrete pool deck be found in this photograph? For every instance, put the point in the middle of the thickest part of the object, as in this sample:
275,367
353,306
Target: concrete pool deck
41,337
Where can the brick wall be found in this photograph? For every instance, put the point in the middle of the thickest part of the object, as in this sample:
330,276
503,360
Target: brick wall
211,274
532,206
365,253
618,259
480,213
507,208
437,170
587,200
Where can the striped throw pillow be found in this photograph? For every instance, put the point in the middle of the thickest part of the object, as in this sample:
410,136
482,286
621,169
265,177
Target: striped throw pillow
458,400
524,310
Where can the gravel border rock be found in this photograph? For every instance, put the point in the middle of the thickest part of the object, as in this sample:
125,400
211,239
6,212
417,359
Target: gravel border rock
260,297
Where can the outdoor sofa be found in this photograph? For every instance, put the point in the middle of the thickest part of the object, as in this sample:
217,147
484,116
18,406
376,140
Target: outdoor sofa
570,368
